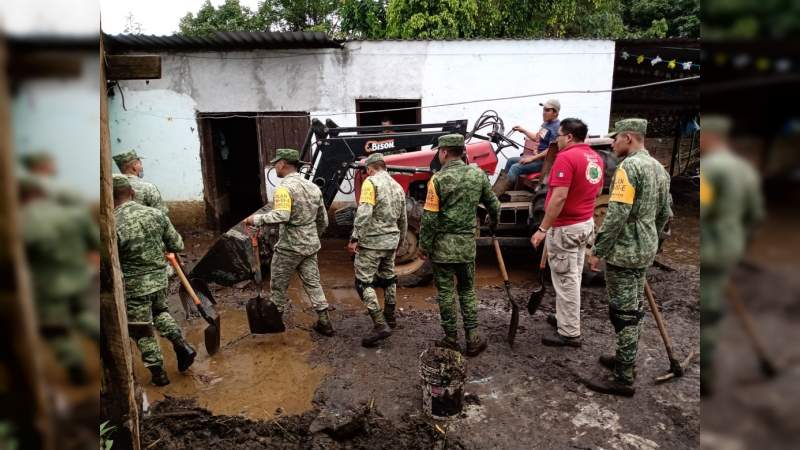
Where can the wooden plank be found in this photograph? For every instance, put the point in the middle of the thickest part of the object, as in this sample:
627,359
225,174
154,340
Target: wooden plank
45,65
23,379
119,399
133,67
209,170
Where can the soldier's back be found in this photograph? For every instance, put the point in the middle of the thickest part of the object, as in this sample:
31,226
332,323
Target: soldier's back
140,238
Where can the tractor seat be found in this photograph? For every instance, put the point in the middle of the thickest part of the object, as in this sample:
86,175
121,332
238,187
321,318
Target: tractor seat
531,180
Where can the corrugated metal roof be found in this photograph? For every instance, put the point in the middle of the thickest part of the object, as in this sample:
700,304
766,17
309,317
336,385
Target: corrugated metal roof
238,40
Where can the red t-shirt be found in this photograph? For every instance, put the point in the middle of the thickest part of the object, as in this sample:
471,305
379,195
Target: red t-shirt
580,169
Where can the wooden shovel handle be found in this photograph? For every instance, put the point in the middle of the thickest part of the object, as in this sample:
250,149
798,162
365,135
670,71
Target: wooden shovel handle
500,261
659,320
184,281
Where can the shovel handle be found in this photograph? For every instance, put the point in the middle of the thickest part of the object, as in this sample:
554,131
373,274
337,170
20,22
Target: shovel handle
500,261
184,281
659,321
543,262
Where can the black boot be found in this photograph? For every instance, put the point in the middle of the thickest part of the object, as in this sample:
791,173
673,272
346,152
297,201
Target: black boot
184,352
476,343
380,330
449,341
388,314
610,384
323,325
607,361
159,376
551,319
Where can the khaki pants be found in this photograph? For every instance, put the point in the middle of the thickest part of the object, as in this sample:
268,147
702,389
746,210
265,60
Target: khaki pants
566,250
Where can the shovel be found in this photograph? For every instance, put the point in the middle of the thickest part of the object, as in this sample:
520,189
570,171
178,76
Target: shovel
512,327
212,331
676,367
538,292
766,364
262,315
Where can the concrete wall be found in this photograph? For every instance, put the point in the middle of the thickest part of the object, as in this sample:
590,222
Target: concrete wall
160,118
61,116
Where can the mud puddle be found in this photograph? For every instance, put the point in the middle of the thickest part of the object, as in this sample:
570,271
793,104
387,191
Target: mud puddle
252,376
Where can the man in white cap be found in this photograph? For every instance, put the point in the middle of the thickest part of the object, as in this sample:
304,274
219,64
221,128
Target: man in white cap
543,137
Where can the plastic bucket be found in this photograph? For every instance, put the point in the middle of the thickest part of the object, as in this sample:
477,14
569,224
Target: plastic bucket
443,373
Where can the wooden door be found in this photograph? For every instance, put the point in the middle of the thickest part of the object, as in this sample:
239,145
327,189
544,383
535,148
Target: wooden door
286,130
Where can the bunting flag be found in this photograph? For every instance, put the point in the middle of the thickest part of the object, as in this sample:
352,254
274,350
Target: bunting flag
655,61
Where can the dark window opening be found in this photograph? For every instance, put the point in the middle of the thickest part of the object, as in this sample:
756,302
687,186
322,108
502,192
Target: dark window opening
402,117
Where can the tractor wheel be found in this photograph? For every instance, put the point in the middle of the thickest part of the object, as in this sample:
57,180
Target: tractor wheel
411,270
589,277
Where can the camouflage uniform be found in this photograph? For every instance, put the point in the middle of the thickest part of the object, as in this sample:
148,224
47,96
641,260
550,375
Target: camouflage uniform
144,234
147,194
638,210
300,211
379,227
448,234
730,207
58,240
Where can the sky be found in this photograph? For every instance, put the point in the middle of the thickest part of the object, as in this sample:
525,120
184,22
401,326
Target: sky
159,17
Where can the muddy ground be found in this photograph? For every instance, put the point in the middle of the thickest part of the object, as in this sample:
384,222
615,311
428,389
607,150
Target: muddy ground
300,390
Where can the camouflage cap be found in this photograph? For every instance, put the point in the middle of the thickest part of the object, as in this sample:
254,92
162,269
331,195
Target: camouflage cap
552,103
125,158
451,140
121,181
373,158
632,125
715,124
33,159
286,154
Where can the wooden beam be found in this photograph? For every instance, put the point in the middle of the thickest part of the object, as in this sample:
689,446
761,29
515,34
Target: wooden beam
133,67
119,404
23,389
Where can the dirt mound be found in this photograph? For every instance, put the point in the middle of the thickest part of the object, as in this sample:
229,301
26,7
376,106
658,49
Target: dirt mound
181,424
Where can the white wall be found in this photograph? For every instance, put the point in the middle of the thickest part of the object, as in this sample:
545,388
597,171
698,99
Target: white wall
160,122
62,117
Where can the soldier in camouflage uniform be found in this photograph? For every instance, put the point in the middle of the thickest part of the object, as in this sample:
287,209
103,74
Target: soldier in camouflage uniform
144,234
448,236
380,225
130,164
300,211
638,210
41,165
731,206
61,242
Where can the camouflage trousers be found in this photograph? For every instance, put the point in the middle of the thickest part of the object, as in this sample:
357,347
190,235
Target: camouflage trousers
62,328
625,309
712,287
375,268
283,266
144,311
450,278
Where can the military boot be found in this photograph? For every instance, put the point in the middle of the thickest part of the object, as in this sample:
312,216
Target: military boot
552,321
184,352
607,361
323,325
380,330
388,314
502,184
610,384
476,343
159,376
449,341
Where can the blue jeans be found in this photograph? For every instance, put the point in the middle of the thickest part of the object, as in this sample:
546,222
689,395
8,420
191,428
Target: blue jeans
514,169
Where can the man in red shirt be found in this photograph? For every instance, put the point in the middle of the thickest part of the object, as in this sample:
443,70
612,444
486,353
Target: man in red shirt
575,180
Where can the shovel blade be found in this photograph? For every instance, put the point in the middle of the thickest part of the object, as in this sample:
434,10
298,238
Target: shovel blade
212,336
535,299
263,316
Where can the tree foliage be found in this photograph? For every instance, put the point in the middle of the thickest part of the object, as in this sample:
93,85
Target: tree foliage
449,19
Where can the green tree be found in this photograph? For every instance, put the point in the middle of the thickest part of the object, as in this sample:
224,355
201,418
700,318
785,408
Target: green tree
424,19
362,19
301,15
663,18
230,16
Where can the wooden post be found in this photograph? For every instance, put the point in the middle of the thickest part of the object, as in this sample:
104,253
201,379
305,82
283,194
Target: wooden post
118,402
676,148
23,387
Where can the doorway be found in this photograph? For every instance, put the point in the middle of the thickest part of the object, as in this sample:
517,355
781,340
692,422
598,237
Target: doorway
396,117
234,152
